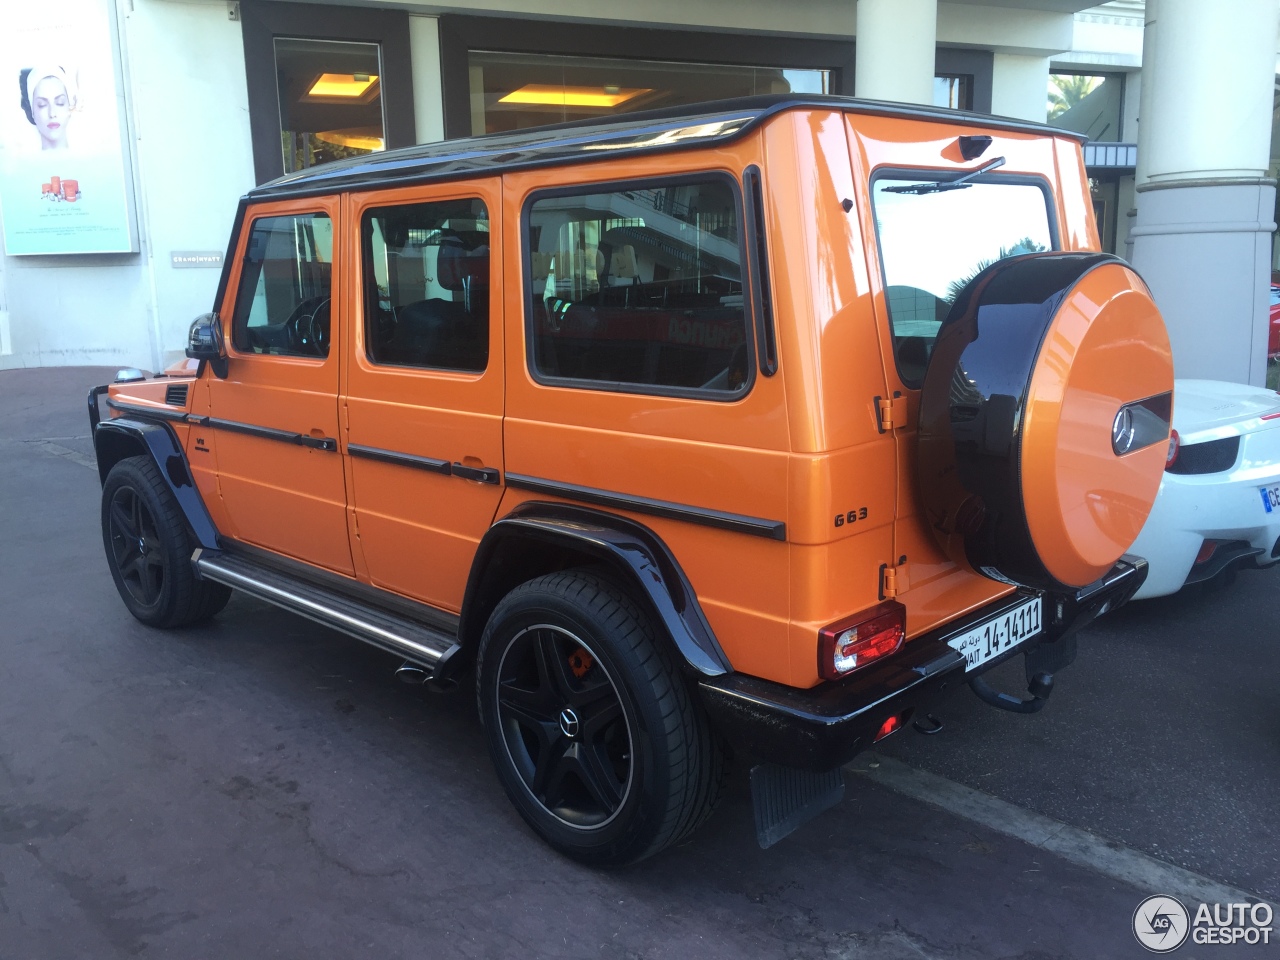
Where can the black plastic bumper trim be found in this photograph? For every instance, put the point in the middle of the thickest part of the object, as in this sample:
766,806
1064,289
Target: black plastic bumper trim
826,726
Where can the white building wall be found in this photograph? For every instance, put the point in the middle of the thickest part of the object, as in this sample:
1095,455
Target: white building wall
189,123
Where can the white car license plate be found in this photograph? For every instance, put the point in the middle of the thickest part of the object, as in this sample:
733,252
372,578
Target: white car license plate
1270,497
990,639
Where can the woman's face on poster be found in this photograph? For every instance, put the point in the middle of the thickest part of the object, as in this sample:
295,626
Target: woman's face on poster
51,108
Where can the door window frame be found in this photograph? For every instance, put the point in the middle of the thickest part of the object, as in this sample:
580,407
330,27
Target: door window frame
330,207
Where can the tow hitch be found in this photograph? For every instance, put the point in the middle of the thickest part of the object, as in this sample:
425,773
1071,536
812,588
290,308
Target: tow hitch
1039,686
1042,662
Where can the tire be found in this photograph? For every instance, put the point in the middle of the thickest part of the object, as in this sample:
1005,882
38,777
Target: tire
590,726
149,549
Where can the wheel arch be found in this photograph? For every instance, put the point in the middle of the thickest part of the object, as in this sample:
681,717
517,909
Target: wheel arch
543,537
123,437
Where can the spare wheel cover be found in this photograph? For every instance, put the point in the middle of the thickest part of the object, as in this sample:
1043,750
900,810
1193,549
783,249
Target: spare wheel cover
1044,417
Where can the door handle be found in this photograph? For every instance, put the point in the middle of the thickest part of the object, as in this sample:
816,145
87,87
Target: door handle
479,474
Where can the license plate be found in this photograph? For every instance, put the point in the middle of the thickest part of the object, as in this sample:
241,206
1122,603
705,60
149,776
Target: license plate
988,640
1270,497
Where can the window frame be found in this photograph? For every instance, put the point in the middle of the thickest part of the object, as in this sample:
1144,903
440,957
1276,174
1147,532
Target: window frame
246,228
263,21
587,188
367,272
942,176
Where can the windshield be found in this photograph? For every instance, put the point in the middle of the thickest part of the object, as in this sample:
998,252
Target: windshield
933,243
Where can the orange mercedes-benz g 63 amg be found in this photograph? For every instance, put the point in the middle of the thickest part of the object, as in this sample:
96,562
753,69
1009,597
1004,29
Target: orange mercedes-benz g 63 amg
756,426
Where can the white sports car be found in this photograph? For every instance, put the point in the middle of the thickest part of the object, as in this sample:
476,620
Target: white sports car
1218,508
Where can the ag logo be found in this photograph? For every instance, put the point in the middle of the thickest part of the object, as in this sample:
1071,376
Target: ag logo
1161,924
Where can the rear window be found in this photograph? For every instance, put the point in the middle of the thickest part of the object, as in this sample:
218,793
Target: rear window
933,242
639,289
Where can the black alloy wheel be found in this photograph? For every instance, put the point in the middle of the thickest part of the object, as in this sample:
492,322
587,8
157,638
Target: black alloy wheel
591,726
563,726
135,545
149,547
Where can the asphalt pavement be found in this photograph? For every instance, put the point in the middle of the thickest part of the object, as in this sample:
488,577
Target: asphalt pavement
262,787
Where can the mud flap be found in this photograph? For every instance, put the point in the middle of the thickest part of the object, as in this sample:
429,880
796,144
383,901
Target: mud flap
785,798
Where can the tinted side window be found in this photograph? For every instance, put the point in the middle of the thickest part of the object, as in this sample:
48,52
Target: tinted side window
640,289
282,306
426,284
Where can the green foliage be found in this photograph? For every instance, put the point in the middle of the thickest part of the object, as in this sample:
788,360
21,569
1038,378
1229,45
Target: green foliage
1025,245
1067,90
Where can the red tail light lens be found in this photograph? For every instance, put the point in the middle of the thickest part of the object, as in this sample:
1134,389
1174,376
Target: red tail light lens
1174,443
851,644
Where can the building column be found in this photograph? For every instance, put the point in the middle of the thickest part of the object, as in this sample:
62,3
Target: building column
1202,239
1020,87
896,42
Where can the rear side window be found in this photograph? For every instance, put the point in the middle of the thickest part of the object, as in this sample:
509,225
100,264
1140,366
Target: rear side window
282,305
426,284
639,289
934,241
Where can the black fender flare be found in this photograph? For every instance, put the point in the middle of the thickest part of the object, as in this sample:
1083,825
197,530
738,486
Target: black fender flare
633,551
134,436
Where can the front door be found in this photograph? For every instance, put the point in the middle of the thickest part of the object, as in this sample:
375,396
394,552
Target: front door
424,392
274,419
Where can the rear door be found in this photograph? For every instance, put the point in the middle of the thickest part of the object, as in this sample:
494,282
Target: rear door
923,245
635,385
274,419
423,391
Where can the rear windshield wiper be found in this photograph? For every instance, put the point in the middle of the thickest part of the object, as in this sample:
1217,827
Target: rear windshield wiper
937,186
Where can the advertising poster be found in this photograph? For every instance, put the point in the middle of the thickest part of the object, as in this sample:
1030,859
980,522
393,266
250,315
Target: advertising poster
64,184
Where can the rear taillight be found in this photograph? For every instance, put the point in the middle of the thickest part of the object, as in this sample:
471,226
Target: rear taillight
851,644
1171,457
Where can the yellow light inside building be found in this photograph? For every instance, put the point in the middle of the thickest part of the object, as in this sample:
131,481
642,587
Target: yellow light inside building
362,138
346,85
574,96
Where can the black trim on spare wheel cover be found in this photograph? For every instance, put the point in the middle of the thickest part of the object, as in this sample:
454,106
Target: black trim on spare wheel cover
511,552
972,405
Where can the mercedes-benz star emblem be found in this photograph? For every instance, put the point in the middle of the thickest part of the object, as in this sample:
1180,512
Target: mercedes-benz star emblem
569,722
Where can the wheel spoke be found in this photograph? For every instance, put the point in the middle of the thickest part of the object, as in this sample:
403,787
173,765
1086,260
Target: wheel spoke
134,568
593,767
597,718
549,773
553,666
122,521
532,708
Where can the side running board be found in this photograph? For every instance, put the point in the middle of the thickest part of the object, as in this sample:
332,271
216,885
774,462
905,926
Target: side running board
417,642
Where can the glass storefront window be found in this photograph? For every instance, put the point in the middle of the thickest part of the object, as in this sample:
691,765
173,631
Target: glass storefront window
330,101
1087,103
512,91
954,91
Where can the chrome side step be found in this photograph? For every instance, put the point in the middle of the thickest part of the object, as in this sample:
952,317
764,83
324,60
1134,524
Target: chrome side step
416,642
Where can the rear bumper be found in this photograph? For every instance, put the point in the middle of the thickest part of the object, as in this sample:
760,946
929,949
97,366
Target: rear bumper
825,726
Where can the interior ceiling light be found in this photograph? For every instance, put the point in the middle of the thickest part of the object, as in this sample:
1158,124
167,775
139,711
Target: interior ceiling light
347,86
609,96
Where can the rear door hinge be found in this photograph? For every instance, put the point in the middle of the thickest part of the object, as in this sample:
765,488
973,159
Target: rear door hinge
892,412
894,579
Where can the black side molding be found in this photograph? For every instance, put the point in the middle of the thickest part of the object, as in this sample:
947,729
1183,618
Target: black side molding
738,523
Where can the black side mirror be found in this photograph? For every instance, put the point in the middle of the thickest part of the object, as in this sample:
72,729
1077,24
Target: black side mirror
206,343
